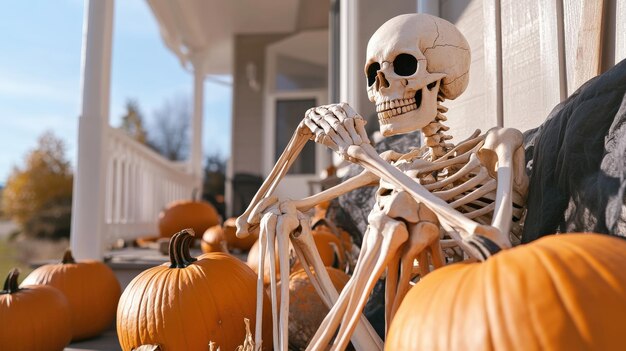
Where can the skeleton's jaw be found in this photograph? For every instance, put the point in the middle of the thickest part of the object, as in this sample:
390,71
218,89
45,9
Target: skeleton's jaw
401,116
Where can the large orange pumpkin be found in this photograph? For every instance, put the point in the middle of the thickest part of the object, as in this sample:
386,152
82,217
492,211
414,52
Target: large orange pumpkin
178,215
306,308
91,289
562,292
185,304
33,317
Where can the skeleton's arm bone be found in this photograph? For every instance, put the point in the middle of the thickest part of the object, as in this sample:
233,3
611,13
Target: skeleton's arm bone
497,155
364,178
286,159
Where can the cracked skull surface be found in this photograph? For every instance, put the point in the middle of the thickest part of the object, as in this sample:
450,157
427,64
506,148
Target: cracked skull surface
411,61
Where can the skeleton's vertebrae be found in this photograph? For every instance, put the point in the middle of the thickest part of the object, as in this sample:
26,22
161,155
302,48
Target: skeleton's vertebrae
471,193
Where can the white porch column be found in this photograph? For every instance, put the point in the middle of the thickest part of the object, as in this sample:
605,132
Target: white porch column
87,235
195,159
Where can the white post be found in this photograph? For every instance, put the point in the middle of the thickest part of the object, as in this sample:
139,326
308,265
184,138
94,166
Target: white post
195,159
87,235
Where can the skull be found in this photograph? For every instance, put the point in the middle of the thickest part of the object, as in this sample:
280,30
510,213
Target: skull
411,59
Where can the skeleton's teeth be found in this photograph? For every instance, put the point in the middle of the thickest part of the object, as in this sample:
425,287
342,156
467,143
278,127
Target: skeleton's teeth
393,108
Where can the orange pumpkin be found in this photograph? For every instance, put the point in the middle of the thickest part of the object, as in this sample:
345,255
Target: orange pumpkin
91,289
33,317
253,262
230,233
197,215
306,308
213,240
330,248
185,304
561,292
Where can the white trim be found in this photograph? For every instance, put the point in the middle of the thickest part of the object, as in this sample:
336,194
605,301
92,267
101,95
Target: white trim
87,233
195,157
269,123
348,39
269,119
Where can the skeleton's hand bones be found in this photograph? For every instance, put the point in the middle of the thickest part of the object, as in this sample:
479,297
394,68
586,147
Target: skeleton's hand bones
337,126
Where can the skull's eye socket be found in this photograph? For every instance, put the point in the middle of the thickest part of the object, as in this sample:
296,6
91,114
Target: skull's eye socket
405,65
372,70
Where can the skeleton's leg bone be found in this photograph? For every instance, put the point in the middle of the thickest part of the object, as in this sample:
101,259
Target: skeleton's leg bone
282,237
424,265
270,220
421,236
260,289
391,286
394,234
436,254
329,325
364,337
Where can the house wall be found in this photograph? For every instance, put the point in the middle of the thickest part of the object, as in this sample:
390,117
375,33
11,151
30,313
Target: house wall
247,118
247,106
527,56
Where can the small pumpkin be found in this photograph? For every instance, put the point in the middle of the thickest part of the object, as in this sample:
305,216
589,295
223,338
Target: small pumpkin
230,233
306,308
188,302
178,215
213,240
330,248
33,317
91,289
561,292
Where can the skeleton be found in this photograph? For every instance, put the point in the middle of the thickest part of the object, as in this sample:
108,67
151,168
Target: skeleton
470,195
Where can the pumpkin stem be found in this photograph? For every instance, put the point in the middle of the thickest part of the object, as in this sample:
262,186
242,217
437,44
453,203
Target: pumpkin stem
68,258
180,257
10,284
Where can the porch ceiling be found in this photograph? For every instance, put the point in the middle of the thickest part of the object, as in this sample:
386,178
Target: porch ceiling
201,32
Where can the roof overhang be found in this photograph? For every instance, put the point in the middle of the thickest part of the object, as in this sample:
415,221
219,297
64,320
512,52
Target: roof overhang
201,32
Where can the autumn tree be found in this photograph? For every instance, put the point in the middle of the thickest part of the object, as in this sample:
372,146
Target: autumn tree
38,195
133,122
169,130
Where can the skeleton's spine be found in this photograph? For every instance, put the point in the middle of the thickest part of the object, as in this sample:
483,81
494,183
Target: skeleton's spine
434,133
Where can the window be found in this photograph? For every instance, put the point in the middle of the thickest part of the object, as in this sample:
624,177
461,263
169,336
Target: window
289,112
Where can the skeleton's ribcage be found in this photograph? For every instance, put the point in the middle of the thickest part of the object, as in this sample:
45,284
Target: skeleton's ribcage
469,188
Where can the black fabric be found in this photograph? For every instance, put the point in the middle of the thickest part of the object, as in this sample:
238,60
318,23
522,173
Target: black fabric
576,162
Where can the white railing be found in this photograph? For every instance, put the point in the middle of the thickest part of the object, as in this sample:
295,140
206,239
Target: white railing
139,184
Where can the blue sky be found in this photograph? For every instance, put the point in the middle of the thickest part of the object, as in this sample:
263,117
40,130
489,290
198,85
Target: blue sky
40,75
